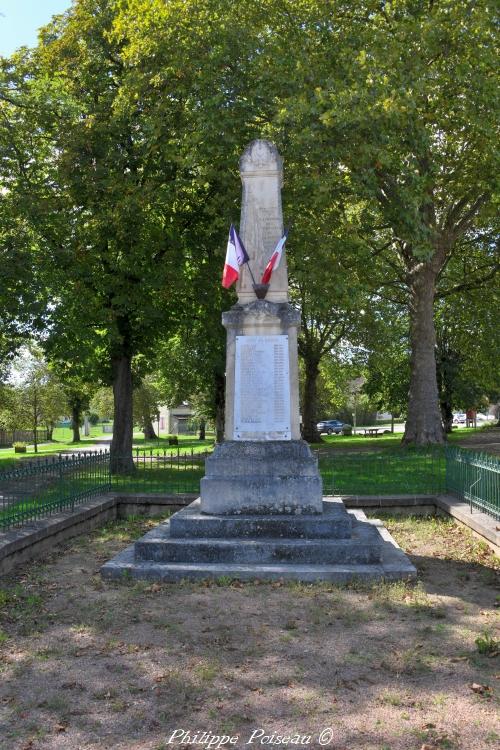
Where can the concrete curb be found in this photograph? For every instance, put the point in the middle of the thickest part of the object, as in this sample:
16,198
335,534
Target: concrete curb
483,525
39,537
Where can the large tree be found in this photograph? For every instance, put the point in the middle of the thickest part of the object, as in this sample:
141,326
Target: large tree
399,102
123,194
20,296
144,106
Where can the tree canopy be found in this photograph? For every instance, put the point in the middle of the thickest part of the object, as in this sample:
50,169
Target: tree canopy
120,136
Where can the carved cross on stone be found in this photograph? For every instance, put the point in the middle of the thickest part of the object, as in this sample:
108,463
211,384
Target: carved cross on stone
261,224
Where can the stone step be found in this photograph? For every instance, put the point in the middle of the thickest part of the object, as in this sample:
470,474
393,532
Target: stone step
333,523
362,548
124,566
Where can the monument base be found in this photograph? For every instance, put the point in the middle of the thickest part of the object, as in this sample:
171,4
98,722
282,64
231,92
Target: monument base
336,546
247,477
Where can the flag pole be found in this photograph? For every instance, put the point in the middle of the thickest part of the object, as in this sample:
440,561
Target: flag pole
247,263
251,274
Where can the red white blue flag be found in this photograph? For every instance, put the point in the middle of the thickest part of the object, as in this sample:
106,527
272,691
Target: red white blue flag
236,256
275,259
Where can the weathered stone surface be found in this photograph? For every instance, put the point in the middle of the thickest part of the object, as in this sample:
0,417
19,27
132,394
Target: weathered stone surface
261,478
276,459
362,548
333,523
369,541
260,495
262,318
261,224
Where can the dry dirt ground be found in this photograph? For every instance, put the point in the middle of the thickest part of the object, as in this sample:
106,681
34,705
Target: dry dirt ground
91,666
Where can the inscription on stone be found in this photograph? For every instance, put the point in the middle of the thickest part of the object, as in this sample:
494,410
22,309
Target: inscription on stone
262,391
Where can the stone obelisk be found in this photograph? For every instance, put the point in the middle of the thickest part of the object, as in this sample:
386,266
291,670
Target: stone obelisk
260,513
261,223
263,466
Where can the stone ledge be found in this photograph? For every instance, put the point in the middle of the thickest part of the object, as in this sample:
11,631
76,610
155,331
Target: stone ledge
385,501
39,537
480,523
30,541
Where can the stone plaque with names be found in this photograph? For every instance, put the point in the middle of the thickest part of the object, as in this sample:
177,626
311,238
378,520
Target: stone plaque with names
262,388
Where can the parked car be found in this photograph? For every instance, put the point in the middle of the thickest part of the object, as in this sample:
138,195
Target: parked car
459,418
331,426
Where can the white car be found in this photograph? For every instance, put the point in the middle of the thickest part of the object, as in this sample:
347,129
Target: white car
459,418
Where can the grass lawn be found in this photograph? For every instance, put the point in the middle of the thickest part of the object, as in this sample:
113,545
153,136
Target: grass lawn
188,443
390,441
87,664
383,473
62,442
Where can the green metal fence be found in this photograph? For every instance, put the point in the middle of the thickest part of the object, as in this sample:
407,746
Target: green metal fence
474,477
400,472
48,485
157,471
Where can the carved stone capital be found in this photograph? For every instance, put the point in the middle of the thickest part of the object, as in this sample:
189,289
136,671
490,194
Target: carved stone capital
261,312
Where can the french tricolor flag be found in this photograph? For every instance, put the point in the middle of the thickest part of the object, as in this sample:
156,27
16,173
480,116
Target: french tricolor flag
236,256
275,259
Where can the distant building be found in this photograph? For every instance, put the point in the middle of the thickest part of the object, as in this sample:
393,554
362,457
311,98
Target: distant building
176,420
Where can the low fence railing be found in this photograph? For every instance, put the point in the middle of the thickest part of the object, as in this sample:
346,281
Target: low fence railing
49,485
401,472
474,477
163,471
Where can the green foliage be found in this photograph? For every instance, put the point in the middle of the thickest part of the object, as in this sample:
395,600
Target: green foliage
21,299
487,644
120,139
468,339
388,363
36,397
102,403
147,400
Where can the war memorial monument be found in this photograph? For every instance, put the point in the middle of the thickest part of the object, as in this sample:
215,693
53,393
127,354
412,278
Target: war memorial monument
261,513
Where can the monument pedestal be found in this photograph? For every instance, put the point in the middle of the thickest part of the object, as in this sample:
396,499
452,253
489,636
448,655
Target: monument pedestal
255,478
261,513
335,545
262,375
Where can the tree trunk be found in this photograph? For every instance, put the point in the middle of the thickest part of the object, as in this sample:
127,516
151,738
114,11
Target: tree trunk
220,410
309,416
121,445
76,414
447,416
202,430
423,424
35,420
148,429
445,388
50,431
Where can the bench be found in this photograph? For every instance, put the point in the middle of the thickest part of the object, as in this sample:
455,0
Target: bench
373,431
